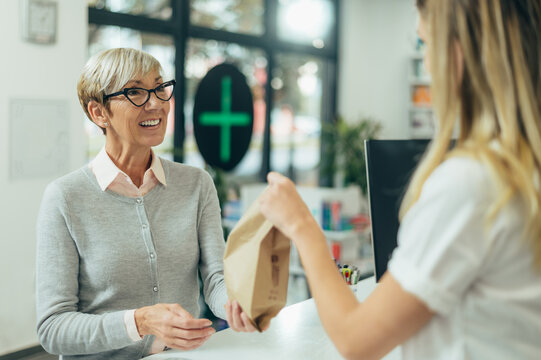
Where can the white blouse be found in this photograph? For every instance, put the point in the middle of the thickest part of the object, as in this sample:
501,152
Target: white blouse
477,276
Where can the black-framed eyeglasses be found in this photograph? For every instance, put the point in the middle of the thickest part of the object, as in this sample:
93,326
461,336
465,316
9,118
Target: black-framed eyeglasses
140,96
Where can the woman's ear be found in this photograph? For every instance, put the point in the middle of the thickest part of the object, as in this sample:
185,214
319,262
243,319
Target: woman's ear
98,113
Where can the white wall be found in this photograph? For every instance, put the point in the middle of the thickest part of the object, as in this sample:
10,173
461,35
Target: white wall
377,39
30,71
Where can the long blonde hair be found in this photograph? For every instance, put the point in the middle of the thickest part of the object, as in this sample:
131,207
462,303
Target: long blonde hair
497,100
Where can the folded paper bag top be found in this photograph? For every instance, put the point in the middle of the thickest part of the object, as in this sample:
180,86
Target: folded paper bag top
256,267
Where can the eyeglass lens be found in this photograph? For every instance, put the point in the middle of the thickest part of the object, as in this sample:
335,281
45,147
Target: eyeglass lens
141,96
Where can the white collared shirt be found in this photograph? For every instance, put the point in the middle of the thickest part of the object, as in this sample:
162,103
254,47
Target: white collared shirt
476,276
109,176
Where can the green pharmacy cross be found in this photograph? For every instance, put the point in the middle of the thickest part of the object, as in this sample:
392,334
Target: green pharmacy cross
225,119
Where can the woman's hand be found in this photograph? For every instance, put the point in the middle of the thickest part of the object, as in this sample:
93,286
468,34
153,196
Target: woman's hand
237,319
282,205
173,325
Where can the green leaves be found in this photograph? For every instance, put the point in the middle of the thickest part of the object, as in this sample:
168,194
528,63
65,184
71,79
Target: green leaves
344,149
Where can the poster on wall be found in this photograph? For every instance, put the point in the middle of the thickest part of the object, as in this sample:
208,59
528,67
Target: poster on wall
38,138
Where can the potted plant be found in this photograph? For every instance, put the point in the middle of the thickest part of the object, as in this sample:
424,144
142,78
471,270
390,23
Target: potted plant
344,151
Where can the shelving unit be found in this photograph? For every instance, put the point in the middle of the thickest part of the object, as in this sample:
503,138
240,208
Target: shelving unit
421,114
333,235
351,242
354,243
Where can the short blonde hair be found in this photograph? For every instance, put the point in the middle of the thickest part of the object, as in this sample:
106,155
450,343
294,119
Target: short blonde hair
109,71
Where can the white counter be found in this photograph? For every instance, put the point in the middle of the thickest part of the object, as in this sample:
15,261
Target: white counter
295,334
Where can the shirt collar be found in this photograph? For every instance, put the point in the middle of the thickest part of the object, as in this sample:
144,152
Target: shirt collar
106,171
157,168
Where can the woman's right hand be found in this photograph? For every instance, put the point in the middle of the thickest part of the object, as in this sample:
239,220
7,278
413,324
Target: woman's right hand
282,205
173,325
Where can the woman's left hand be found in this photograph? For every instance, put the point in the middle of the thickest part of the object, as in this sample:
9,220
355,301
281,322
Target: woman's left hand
237,319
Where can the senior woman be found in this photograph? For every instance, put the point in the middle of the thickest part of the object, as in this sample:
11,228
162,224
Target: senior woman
122,240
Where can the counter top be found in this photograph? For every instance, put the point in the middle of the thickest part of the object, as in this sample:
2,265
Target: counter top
295,333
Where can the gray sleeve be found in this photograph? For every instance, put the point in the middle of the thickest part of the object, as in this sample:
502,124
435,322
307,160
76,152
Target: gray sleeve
61,328
211,247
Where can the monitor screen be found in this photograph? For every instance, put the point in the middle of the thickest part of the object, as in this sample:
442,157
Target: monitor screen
389,166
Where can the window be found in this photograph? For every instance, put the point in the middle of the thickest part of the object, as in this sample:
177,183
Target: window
306,21
286,49
159,9
296,116
201,56
244,16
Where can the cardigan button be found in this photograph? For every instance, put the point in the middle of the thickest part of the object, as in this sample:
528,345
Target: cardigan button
155,289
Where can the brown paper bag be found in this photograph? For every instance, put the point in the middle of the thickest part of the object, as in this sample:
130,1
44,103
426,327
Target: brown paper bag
256,267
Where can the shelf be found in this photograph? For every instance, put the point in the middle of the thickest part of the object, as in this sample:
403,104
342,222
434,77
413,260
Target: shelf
418,56
422,134
296,271
334,235
420,107
420,82
425,108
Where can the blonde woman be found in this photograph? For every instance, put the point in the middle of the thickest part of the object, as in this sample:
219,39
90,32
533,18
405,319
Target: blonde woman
122,241
465,279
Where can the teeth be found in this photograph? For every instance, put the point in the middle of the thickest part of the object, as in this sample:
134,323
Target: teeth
150,122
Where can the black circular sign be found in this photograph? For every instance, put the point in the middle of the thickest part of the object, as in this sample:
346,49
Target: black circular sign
223,116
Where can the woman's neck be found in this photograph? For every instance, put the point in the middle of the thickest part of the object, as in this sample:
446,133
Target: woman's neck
134,162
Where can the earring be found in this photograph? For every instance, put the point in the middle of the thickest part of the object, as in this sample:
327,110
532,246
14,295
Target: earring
106,124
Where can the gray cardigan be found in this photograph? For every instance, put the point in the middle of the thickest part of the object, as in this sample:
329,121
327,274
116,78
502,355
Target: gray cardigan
100,254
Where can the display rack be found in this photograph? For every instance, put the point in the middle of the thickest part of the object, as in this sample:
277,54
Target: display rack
421,114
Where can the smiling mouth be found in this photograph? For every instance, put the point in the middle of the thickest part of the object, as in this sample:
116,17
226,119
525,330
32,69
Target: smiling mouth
150,123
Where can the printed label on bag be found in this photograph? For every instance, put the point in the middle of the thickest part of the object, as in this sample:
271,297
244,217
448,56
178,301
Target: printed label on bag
275,270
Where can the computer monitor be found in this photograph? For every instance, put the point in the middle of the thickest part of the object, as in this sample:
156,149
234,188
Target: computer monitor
389,166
